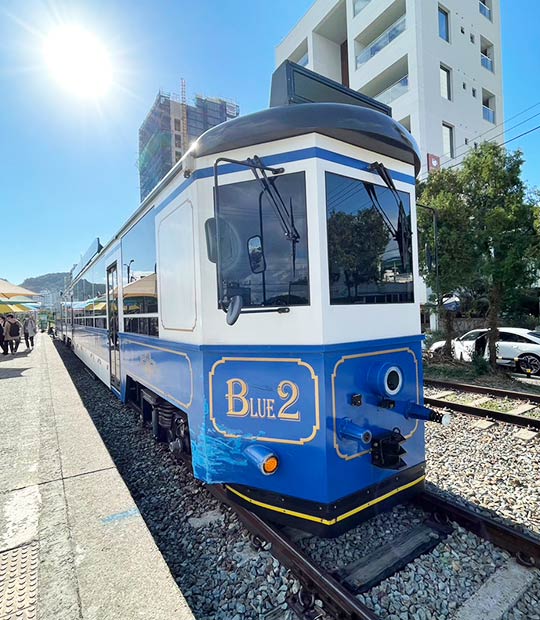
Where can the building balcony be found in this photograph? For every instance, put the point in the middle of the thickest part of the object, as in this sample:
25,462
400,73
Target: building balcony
484,9
488,114
303,62
487,62
381,42
393,92
359,5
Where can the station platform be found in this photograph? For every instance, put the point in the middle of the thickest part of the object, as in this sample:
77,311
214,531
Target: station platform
72,542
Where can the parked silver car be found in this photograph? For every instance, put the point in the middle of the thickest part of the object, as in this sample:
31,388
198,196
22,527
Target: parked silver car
514,343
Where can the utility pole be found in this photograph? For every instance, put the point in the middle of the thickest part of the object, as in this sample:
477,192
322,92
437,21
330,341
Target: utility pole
435,216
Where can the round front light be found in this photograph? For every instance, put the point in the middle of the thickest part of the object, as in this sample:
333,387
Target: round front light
393,380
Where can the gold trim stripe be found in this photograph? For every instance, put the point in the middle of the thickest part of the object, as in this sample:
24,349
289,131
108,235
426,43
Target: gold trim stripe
292,360
342,517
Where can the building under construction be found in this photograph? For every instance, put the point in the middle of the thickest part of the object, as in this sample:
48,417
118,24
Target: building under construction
171,127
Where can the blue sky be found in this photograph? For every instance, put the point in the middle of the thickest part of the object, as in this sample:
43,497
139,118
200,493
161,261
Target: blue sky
68,166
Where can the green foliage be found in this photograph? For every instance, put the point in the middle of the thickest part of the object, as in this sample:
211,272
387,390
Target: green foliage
480,364
488,229
356,242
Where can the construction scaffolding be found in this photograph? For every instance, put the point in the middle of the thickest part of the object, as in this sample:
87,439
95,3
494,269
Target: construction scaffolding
171,127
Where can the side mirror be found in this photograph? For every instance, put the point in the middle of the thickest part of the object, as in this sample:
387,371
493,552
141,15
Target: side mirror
257,261
211,239
234,309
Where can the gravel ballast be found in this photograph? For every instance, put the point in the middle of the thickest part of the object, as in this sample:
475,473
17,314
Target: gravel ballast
492,468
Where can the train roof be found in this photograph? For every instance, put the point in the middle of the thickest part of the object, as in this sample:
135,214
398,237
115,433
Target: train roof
353,124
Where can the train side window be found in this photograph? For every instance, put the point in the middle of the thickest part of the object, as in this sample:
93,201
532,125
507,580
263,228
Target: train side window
369,243
139,278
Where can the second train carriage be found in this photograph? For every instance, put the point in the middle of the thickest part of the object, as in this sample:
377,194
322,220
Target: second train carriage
260,307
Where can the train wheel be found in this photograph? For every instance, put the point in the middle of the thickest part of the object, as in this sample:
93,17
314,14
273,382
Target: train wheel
178,437
529,364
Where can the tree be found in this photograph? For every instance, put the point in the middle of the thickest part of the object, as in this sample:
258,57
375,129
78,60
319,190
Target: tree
507,239
457,251
488,229
356,243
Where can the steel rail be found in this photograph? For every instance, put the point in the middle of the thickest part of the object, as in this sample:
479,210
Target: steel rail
524,546
479,412
483,389
335,597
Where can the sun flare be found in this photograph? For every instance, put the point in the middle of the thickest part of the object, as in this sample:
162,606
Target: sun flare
78,61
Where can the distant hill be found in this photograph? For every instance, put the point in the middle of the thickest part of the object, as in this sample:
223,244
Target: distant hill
54,282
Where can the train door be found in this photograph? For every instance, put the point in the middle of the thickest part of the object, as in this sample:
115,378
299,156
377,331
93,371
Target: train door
112,309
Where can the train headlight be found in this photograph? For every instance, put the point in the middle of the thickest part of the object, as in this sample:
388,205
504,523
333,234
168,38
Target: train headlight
393,380
386,380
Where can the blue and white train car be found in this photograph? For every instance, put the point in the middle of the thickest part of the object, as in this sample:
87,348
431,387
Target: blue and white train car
261,307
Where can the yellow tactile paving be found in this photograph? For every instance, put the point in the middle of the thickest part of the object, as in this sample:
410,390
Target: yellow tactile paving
19,582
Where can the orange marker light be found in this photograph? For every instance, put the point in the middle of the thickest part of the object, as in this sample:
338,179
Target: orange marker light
270,465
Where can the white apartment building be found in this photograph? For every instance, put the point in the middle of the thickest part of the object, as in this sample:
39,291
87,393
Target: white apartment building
437,64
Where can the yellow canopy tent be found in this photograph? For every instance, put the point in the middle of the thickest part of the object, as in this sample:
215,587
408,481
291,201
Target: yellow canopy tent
8,290
143,287
13,308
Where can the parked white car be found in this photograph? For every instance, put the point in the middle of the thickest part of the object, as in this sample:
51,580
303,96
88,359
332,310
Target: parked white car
513,343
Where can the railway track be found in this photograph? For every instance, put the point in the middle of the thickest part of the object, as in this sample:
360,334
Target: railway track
518,416
338,590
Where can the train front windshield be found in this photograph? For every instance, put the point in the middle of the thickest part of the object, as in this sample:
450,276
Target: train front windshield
369,242
264,249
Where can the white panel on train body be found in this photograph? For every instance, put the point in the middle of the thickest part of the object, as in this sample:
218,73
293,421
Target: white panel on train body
176,267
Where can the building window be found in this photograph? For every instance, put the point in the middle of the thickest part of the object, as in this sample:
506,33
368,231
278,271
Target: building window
486,54
474,92
462,30
488,106
445,77
444,24
464,86
359,5
466,141
177,126
472,38
448,140
484,7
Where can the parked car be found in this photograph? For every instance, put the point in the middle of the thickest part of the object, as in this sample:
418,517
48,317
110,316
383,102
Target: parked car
514,343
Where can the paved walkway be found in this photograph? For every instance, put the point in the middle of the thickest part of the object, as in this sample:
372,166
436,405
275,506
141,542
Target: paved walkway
72,543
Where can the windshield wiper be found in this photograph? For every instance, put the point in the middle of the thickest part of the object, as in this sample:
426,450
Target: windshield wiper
402,234
285,215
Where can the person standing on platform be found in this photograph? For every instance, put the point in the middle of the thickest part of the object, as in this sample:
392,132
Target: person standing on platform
29,329
12,333
3,342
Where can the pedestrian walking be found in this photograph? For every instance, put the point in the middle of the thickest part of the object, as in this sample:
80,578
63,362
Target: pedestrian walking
30,330
12,333
3,341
